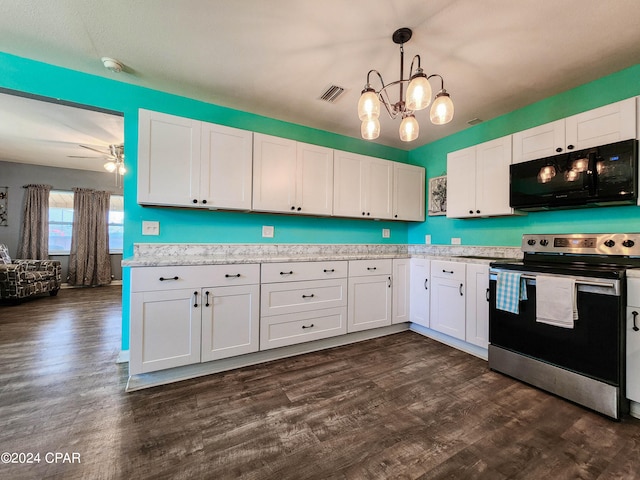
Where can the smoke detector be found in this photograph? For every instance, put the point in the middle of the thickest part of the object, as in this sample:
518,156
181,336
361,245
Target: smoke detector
112,64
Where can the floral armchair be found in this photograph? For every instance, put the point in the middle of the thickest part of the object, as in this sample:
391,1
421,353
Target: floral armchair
24,278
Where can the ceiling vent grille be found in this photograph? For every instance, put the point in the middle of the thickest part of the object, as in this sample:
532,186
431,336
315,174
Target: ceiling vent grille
331,94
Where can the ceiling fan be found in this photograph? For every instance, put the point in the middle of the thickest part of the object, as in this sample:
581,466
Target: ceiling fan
115,159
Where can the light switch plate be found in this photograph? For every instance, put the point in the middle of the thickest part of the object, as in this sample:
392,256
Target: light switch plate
386,233
455,241
427,239
267,231
150,228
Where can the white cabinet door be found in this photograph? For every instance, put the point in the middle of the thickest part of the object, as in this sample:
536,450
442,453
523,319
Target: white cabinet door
314,180
420,288
492,177
633,353
448,303
478,180
363,186
226,167
477,312
461,183
539,142
608,124
369,303
408,192
348,186
379,188
165,330
230,321
274,173
400,306
168,160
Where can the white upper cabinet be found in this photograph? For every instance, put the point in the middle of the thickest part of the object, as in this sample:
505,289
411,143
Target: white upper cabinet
478,180
226,166
187,163
168,159
408,192
292,177
600,126
363,186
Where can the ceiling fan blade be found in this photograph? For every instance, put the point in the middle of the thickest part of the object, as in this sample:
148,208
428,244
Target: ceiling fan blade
82,156
94,149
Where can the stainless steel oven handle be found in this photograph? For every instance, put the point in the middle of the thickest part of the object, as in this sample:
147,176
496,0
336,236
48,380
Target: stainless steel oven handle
584,284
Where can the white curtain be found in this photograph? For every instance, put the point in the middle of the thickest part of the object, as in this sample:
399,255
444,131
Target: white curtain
89,262
34,241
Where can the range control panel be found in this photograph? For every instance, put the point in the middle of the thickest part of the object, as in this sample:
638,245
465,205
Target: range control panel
586,244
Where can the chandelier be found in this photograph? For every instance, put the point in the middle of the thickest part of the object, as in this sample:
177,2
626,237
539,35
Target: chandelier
418,98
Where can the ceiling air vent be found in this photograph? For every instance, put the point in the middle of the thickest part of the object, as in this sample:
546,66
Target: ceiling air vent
331,94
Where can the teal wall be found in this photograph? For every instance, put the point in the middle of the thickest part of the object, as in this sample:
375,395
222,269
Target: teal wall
507,231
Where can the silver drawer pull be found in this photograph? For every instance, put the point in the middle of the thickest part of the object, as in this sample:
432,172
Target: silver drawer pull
162,279
308,296
307,326
287,273
227,275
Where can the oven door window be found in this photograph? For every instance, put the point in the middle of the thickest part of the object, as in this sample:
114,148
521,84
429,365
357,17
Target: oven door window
591,348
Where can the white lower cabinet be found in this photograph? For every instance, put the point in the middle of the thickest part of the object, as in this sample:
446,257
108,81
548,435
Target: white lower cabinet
420,289
400,303
369,294
311,305
448,303
176,319
477,312
633,344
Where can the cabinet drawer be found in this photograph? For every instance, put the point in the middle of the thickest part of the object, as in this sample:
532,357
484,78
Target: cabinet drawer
361,268
633,292
283,330
300,271
291,297
147,279
452,270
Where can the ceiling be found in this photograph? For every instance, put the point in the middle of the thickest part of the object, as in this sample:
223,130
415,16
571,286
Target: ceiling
275,58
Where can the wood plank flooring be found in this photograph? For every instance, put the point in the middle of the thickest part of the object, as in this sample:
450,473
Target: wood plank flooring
399,407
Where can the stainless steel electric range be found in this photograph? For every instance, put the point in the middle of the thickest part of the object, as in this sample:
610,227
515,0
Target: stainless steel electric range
582,360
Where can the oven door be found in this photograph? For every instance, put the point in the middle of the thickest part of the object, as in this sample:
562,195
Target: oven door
593,348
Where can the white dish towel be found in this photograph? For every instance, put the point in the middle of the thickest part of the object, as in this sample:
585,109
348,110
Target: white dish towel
556,302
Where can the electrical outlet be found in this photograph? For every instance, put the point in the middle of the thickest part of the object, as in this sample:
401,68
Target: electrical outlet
150,228
386,233
268,231
427,239
455,241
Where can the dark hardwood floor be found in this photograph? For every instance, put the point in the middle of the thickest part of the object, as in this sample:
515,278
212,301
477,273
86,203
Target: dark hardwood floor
399,407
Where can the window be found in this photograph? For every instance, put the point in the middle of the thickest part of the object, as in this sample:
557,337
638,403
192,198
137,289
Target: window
61,222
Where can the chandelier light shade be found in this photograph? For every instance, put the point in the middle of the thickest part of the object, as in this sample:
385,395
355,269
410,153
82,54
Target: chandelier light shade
418,97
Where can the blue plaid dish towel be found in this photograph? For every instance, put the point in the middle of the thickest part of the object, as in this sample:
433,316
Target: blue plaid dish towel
511,289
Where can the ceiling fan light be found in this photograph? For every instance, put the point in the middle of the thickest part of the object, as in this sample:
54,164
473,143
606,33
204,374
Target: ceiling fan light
368,105
370,129
442,108
409,129
418,92
121,169
110,167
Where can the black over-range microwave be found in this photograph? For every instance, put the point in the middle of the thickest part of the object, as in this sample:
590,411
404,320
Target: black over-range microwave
605,175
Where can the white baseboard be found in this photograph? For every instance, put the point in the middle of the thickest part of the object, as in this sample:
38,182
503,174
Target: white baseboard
474,350
123,356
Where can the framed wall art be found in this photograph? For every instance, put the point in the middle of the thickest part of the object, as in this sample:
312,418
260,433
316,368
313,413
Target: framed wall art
438,196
